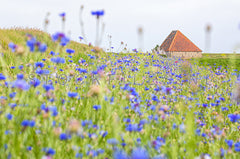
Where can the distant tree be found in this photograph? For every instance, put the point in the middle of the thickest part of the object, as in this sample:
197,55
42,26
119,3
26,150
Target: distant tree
156,47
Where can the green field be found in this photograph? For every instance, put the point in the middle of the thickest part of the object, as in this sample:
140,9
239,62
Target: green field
216,60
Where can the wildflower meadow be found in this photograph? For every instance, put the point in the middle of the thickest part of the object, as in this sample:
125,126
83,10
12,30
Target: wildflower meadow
66,99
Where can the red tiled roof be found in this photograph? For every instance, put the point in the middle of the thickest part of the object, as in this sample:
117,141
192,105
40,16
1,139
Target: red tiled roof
178,42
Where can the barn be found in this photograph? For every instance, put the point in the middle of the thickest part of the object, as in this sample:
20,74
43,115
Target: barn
178,45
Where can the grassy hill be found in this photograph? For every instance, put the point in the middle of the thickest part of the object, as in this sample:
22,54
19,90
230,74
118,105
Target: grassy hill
19,37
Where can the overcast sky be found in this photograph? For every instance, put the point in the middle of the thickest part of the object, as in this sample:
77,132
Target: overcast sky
122,18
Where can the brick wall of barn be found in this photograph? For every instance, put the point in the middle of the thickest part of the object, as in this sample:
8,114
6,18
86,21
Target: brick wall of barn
184,54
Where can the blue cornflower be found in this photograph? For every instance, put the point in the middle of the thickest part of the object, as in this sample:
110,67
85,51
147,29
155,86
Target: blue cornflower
167,90
198,131
229,143
222,152
12,46
48,87
98,13
2,77
49,151
31,123
63,136
72,94
205,105
61,38
112,141
39,64
9,116
237,146
133,127
174,126
104,134
12,95
120,154
31,44
225,109
29,148
112,100
20,67
7,132
20,76
42,47
42,71
63,14
58,60
35,82
234,117
52,53
70,51
140,153
97,107
25,123
182,128
79,155
21,84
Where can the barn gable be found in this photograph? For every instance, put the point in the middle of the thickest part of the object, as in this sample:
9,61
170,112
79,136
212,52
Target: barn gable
178,42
